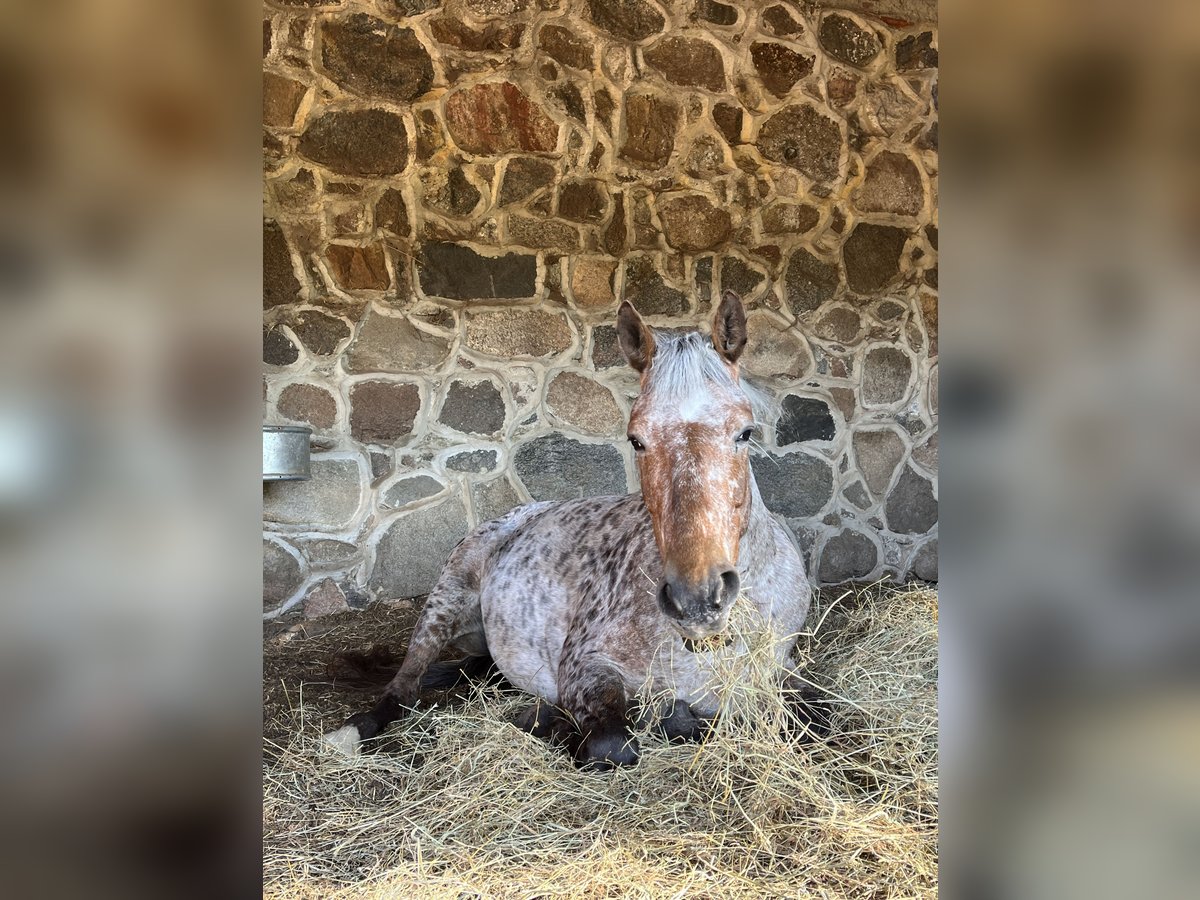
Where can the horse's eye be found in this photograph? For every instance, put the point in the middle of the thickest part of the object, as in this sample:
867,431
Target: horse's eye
637,445
744,437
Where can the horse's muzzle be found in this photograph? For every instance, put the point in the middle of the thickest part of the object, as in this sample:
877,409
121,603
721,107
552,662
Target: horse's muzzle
699,611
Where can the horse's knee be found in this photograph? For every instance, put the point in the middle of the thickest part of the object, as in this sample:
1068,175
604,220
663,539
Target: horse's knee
607,750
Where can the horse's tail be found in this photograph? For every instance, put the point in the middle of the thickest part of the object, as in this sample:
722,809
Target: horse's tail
375,667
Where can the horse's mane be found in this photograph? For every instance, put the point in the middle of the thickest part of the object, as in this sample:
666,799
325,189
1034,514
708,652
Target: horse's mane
686,364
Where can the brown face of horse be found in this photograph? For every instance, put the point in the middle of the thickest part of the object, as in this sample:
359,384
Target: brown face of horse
691,427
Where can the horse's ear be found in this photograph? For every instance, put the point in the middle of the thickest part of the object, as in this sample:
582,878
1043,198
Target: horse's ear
634,336
729,327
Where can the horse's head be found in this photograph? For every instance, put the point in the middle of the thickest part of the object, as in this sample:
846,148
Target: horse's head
690,428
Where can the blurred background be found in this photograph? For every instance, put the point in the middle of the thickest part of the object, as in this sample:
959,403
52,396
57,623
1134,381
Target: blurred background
1070,208
130,407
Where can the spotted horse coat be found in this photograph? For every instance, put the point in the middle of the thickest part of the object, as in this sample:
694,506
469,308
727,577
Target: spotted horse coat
585,603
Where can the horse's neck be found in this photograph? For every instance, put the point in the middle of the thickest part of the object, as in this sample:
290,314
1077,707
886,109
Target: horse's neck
758,545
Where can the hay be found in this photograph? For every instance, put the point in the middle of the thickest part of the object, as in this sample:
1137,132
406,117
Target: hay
460,803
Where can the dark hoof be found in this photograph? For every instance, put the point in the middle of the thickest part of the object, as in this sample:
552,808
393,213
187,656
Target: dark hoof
605,752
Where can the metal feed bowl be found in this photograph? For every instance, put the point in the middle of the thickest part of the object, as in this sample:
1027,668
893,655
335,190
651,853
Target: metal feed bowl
285,452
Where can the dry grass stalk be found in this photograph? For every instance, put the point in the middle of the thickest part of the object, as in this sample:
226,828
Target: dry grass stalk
460,803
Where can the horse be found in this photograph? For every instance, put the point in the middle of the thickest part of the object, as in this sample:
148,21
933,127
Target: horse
582,603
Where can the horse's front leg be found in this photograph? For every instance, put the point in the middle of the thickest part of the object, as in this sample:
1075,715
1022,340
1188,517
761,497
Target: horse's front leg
678,722
593,692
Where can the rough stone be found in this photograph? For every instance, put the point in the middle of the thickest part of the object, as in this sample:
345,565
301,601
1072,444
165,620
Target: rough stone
411,490
324,599
449,191
847,555
518,332
705,158
925,561
809,282
802,137
391,213
473,461
582,200
322,334
473,407
592,282
691,223
492,8
328,553
839,324
458,272
606,351
892,185
383,412
358,268
375,59
728,120
327,501
878,453
278,349
630,20
926,453
842,87
308,403
381,466
412,551
566,46
872,256
933,390
781,22
394,344
429,137
847,41
739,277
280,284
857,494
585,404
804,419
779,67
911,507
886,108
360,142
282,574
916,52
523,177
494,498
648,292
773,351
542,234
569,99
688,62
846,402
281,100
885,376
717,13
790,218
795,485
493,37
494,118
555,467
650,125
615,233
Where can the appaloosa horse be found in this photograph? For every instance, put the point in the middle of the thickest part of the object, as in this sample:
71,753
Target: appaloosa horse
583,602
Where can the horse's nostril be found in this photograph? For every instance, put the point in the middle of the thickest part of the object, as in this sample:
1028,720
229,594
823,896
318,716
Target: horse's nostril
730,585
666,599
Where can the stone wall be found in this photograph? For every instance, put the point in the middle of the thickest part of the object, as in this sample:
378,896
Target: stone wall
456,196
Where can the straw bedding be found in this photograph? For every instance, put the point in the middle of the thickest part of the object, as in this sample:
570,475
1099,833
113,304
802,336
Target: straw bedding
458,803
